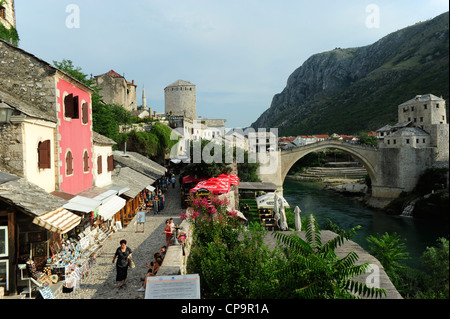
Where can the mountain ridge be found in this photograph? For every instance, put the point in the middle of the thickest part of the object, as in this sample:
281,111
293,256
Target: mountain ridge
359,89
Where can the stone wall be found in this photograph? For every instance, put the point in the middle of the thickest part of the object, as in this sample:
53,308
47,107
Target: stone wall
11,149
175,263
28,78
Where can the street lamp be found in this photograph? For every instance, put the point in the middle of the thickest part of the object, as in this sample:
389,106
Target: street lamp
5,112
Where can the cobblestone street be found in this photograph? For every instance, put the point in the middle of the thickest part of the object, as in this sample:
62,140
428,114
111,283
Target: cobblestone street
101,283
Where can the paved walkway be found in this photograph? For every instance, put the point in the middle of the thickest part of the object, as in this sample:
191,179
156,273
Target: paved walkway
101,280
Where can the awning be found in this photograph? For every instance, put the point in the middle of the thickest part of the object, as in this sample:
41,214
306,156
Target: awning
150,188
60,220
110,207
82,204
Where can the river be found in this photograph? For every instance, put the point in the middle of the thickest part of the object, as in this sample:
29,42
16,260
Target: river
347,212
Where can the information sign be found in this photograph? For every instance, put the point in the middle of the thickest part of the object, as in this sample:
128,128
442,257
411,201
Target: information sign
173,287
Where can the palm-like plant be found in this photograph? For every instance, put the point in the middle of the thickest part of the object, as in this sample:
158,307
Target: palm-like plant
318,270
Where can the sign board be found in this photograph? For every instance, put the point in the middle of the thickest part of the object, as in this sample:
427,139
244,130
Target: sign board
46,293
141,217
203,192
173,287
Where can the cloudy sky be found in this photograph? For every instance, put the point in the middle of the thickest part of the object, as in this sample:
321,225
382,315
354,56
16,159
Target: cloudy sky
238,53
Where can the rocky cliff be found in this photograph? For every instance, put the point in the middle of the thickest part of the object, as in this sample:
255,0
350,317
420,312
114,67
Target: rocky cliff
358,89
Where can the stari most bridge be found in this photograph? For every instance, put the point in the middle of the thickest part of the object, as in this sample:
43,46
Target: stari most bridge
277,164
367,155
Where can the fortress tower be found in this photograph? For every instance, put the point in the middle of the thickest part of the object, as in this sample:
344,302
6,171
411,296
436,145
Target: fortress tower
180,99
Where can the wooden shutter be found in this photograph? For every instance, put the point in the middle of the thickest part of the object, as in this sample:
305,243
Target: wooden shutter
44,153
84,113
99,165
68,106
110,163
86,161
69,163
76,108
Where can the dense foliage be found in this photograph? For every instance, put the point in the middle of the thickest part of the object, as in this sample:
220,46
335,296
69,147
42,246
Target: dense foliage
210,159
235,263
9,35
430,282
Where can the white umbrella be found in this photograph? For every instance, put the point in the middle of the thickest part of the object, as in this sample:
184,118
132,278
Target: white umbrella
298,220
276,215
283,223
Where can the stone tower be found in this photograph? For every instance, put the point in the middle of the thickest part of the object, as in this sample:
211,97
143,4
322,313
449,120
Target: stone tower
180,99
7,14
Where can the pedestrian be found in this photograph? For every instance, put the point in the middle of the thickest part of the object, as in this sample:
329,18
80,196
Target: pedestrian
153,269
162,251
123,253
173,181
168,232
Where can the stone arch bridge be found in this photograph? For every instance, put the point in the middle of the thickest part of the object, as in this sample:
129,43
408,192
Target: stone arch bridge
384,167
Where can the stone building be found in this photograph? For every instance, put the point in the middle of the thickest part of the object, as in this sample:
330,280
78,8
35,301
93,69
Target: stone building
418,141
117,90
7,14
180,99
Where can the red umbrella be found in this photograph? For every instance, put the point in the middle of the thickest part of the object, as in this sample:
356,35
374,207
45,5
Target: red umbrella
232,179
191,179
214,186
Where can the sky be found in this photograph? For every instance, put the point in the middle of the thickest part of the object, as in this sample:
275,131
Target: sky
238,53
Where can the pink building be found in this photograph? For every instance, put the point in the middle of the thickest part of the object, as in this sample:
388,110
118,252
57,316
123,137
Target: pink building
74,143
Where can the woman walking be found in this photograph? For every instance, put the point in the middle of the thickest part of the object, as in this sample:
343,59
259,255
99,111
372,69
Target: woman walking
123,253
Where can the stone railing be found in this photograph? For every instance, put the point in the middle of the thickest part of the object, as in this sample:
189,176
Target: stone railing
175,262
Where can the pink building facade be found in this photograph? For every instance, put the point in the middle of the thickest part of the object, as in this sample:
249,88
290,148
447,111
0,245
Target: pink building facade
74,135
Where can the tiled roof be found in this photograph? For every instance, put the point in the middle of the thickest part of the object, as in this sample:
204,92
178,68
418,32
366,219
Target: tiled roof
27,196
421,99
139,163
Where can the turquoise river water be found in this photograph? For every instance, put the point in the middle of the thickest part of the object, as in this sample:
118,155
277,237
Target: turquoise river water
348,212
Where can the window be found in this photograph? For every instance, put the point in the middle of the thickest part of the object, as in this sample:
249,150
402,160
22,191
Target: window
417,140
84,113
425,106
44,157
421,119
389,142
407,141
395,141
437,105
99,164
86,162
423,140
412,108
69,163
71,106
110,163
2,12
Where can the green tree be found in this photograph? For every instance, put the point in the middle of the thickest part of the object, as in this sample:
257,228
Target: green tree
390,251
436,261
313,270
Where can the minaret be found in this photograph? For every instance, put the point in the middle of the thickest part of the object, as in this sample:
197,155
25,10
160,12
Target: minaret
144,99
